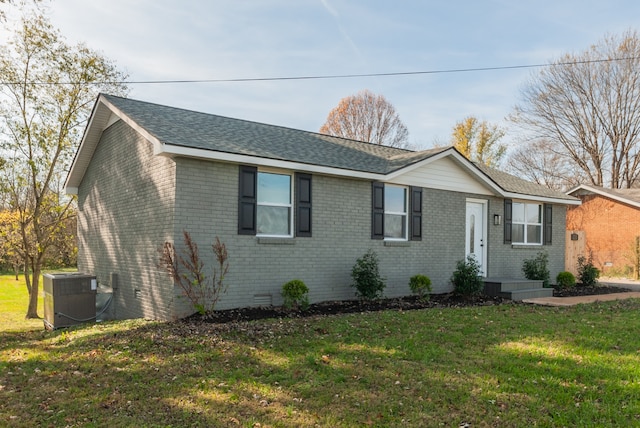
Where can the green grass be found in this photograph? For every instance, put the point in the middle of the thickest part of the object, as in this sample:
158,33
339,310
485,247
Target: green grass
13,305
508,366
14,302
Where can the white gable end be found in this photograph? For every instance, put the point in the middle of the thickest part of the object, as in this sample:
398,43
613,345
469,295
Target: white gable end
443,174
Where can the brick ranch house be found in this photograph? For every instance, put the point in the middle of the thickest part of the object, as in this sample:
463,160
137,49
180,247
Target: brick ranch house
604,226
289,204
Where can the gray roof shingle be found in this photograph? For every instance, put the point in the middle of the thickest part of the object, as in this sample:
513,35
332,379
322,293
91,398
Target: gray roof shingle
514,184
190,129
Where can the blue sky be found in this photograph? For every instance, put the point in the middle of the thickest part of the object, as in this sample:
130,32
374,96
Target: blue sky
191,39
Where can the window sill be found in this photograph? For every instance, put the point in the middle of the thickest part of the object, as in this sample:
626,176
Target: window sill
526,246
276,241
397,244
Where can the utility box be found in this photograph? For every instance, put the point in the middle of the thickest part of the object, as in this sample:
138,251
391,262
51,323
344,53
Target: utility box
69,299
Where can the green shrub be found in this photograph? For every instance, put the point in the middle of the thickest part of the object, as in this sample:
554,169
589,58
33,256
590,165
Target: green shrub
588,274
420,285
466,278
295,294
366,277
537,269
565,280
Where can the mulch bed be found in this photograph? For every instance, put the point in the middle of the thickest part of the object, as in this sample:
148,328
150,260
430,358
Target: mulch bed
581,290
448,300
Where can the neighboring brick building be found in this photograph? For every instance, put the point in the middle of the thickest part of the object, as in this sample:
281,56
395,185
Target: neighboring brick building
610,220
289,204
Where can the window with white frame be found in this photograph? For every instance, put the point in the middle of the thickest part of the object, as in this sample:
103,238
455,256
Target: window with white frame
274,204
526,225
395,212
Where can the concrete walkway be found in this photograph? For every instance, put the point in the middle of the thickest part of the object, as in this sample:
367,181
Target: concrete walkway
632,285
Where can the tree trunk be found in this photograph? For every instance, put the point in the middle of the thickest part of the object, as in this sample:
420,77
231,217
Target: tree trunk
32,311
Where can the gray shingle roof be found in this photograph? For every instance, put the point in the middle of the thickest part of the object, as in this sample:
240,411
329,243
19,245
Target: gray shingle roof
196,130
514,184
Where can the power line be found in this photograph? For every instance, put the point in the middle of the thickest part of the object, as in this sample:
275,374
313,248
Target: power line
337,76
401,73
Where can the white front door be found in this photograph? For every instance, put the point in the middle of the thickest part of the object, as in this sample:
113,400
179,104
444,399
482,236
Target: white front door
476,236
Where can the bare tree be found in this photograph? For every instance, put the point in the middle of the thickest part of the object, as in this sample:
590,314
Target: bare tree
48,92
479,141
539,162
367,117
587,107
21,4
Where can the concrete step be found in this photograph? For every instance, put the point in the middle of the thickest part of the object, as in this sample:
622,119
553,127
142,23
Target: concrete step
532,293
495,286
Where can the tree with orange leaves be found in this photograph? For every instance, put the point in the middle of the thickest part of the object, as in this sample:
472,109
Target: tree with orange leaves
367,117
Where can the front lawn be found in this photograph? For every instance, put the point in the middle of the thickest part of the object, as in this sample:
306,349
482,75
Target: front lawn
14,301
509,365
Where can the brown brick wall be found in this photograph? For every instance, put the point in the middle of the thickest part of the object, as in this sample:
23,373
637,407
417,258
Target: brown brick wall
610,229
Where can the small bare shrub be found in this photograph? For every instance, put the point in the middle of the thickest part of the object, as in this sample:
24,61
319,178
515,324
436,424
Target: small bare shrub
187,270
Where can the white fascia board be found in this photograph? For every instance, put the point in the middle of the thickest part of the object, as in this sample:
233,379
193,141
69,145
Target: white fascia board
582,186
83,155
101,117
157,145
423,162
461,160
597,191
532,198
171,150
476,172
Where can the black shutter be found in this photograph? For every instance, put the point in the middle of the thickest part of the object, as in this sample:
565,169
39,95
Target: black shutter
548,222
377,210
247,200
303,205
507,220
416,213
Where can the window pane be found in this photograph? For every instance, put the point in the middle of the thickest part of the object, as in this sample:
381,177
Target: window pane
472,234
517,212
273,220
395,199
517,233
395,226
274,188
534,234
534,213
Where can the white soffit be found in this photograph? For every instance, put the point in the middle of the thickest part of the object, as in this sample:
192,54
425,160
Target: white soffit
444,174
586,189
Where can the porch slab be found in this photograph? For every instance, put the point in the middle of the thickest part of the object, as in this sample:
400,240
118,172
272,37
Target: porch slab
578,300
